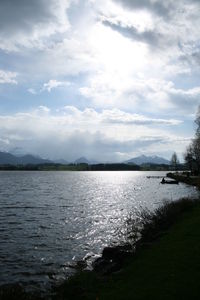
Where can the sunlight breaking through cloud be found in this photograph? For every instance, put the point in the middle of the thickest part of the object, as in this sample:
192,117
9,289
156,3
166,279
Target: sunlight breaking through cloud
128,70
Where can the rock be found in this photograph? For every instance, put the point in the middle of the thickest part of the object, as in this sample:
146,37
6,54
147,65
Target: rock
105,267
99,264
78,265
112,259
81,264
117,253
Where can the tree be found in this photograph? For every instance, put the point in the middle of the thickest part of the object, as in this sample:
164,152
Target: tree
189,158
174,161
196,153
197,121
192,155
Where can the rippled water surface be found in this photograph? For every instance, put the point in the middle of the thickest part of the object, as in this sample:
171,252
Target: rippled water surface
50,219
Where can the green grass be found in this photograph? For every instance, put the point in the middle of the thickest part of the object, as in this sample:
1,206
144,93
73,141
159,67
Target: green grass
168,268
191,180
165,266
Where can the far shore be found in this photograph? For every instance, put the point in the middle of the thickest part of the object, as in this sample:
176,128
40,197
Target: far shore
92,167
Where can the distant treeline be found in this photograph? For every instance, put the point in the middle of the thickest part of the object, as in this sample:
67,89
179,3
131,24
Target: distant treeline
94,167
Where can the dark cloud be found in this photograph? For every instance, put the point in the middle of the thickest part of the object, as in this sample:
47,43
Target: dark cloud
53,145
165,9
21,15
185,101
160,8
94,146
191,59
150,37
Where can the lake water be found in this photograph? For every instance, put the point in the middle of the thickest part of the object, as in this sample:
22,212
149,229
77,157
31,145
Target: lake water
50,219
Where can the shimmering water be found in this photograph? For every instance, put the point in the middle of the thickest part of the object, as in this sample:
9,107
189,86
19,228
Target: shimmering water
50,219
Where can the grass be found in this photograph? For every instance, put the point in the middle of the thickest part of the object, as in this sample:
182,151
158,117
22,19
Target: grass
165,263
191,180
164,266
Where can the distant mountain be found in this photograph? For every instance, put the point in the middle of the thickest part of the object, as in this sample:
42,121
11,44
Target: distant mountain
61,161
7,158
143,159
17,151
10,159
30,159
82,160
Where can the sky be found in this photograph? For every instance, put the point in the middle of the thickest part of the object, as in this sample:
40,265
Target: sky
104,79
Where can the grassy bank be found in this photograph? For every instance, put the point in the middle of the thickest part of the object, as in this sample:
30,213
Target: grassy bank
182,177
165,264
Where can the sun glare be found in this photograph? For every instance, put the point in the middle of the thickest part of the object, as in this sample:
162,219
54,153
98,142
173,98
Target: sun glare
115,52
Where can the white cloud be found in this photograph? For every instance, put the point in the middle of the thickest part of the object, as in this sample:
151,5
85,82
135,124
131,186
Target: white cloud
70,133
119,117
91,47
157,95
32,91
42,109
113,117
139,57
8,77
53,84
49,86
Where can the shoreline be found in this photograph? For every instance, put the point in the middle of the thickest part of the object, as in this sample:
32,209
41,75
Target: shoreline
114,260
185,178
87,167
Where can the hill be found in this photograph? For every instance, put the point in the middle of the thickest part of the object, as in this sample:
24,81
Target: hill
143,159
82,160
10,159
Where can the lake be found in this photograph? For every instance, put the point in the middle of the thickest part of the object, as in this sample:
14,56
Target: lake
48,220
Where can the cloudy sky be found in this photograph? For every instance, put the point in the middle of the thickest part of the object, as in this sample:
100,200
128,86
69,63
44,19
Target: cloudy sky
105,79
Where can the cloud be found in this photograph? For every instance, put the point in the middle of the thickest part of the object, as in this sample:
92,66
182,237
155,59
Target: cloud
168,27
8,77
161,8
134,63
164,9
185,99
157,95
25,22
32,91
49,86
53,84
150,37
116,116
71,133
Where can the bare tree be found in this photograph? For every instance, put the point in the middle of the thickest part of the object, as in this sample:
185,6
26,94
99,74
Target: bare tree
197,121
189,158
174,161
196,152
192,155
